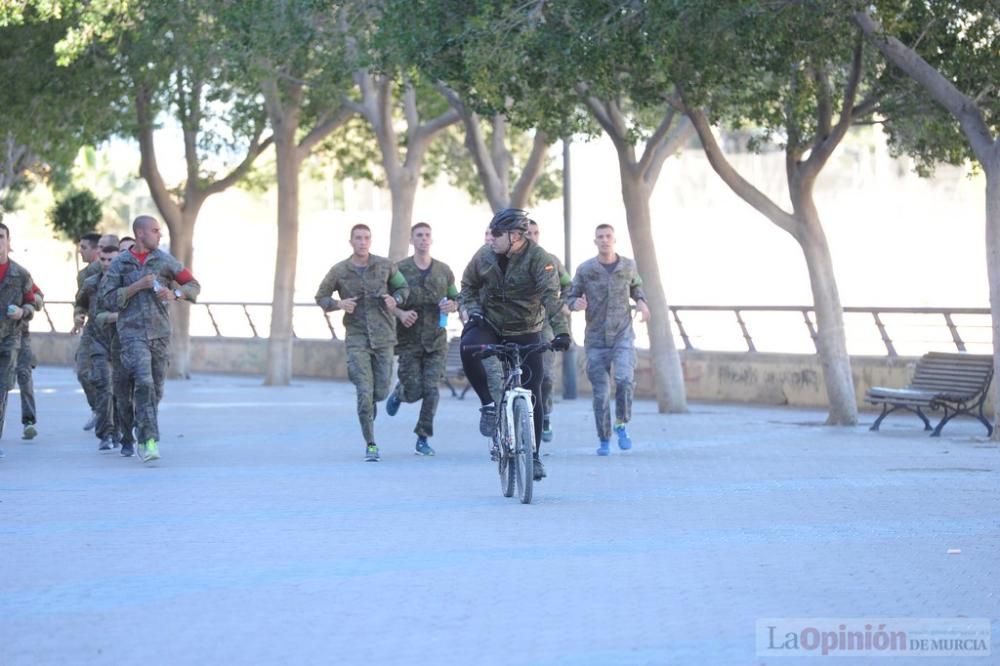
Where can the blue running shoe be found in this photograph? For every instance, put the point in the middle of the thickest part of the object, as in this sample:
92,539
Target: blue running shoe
423,448
605,448
624,441
392,404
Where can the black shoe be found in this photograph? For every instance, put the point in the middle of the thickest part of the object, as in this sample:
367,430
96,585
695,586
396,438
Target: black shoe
393,402
488,420
127,450
539,470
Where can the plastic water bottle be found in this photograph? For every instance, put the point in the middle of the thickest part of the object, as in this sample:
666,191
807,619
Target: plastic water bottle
443,317
11,309
156,285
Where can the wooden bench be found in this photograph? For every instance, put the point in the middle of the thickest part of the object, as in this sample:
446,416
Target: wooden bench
954,382
453,368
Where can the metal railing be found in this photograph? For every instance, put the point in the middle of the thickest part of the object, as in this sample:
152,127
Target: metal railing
697,327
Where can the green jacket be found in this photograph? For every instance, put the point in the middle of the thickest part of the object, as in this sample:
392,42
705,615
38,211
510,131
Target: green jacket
426,292
371,324
519,300
609,318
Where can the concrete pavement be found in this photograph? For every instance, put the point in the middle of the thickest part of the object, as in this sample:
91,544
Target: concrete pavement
262,537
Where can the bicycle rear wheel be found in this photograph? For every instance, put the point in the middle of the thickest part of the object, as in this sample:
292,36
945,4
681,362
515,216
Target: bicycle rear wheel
524,450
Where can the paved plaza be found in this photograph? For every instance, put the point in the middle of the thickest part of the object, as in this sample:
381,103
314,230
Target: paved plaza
262,537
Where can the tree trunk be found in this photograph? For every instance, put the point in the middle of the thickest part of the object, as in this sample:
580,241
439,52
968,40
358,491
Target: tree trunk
182,247
279,344
403,189
992,169
668,375
831,340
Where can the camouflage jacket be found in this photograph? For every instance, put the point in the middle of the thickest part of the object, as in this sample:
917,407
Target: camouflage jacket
17,288
87,302
516,301
91,269
426,291
371,324
143,316
609,318
564,283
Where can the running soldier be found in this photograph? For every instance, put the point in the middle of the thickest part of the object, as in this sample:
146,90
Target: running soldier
17,304
602,287
98,333
89,249
549,358
370,290
422,344
26,363
135,288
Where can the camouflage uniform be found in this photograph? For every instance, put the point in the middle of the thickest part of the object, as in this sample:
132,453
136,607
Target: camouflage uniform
144,327
549,358
371,328
15,289
609,339
26,362
423,347
83,350
97,334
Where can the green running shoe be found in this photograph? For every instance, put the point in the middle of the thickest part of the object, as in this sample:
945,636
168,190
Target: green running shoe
371,453
151,451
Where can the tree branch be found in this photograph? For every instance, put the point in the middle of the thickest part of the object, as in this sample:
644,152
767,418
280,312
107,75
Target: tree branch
824,99
654,141
943,91
330,122
737,183
148,167
531,171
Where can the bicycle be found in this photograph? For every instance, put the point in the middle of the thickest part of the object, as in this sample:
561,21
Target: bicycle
514,443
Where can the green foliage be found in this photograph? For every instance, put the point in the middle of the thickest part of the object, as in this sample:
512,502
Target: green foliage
960,39
50,110
76,214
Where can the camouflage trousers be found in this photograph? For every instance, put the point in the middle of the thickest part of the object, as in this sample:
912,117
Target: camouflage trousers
83,370
145,364
10,346
122,390
602,364
549,365
26,362
101,377
370,370
420,372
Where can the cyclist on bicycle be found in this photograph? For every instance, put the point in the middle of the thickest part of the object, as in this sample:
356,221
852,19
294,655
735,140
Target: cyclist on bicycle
510,289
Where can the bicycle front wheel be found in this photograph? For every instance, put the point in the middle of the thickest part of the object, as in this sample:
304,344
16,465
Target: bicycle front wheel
524,449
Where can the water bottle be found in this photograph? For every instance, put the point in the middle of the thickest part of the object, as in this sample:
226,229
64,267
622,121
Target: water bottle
443,317
156,285
11,309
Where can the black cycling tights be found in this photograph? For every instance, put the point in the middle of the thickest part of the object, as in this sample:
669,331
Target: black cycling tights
532,368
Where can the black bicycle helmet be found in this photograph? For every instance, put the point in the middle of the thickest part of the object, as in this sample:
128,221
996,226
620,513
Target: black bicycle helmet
510,219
